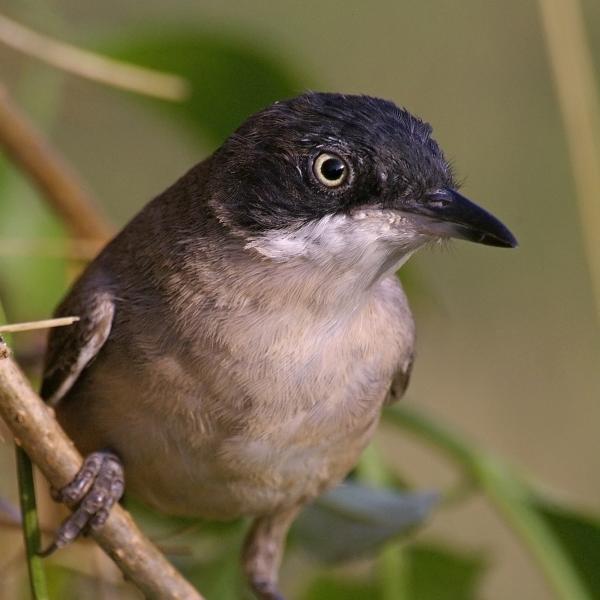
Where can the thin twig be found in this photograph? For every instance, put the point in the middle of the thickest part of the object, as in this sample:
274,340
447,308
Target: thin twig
92,66
574,78
34,427
32,153
43,324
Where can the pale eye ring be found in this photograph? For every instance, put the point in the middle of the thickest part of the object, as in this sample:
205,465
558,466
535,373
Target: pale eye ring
330,169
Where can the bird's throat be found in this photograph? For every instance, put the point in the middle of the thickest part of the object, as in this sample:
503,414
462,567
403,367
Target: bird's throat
336,260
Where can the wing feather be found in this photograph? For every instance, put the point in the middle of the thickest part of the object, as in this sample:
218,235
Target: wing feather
400,381
71,349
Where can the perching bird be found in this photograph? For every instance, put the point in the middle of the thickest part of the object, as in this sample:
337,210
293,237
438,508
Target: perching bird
239,338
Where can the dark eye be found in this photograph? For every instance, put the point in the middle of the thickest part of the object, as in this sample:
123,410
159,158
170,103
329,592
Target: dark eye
330,169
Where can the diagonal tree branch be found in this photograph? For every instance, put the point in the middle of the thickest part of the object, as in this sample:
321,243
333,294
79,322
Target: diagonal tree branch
36,430
30,151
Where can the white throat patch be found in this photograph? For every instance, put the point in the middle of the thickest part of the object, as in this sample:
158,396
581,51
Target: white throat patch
368,241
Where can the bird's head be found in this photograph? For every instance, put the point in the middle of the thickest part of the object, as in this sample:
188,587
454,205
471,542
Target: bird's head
339,177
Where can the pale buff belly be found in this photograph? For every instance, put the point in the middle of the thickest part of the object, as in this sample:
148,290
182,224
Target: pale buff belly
268,422
187,456
224,478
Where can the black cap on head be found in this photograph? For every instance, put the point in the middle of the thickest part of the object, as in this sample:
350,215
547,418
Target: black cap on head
320,154
266,166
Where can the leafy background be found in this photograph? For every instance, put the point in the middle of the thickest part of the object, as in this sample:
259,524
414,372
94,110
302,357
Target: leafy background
508,349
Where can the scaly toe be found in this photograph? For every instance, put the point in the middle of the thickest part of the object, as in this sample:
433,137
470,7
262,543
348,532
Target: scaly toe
96,488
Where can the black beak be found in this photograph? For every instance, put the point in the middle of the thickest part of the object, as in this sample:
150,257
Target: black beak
449,214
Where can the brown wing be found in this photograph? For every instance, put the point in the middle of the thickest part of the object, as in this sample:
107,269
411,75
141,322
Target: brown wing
70,349
400,382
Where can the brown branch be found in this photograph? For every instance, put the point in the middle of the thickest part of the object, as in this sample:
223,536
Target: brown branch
35,429
61,187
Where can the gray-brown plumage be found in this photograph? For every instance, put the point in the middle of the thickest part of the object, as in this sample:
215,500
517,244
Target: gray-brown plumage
240,336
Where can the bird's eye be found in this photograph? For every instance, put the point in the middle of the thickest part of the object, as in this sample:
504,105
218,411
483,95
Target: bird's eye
330,169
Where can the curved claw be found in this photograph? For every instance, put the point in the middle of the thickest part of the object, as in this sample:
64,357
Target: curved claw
98,485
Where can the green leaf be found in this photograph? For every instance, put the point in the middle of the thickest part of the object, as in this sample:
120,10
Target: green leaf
220,578
175,529
214,567
428,572
436,573
353,520
206,553
30,285
332,588
230,78
508,492
579,536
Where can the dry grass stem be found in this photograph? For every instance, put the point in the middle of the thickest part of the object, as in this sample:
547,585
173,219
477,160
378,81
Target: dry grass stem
577,90
32,325
92,66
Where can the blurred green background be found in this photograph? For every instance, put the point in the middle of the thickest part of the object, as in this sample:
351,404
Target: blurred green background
508,346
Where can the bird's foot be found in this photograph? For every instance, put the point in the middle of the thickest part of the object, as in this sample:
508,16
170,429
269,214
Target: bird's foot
265,590
98,485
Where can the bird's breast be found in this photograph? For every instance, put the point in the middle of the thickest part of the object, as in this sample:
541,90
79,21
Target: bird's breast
250,411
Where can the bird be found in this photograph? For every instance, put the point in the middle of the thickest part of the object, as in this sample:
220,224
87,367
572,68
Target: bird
238,339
